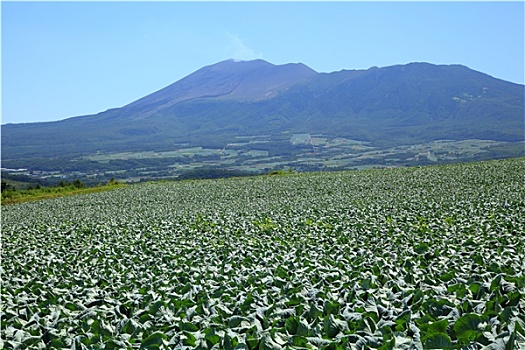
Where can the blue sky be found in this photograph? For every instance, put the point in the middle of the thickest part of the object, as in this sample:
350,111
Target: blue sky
65,59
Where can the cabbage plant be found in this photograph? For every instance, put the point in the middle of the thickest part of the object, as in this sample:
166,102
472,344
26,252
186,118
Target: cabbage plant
412,258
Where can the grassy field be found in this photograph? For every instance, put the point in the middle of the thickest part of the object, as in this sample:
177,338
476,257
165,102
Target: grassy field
409,258
36,194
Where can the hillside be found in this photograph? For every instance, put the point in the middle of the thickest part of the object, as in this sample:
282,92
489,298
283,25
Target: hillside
217,105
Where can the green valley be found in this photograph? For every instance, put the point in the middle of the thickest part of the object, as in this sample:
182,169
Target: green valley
252,155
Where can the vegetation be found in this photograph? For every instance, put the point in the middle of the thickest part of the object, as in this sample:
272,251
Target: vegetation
10,195
208,173
409,258
280,172
252,155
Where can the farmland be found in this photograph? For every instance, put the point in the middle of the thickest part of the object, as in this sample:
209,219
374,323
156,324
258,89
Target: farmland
258,154
422,258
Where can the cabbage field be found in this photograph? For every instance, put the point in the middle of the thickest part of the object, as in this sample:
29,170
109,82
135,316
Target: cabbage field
411,258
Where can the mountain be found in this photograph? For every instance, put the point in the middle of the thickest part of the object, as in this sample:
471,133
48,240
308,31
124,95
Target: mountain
410,103
227,80
214,106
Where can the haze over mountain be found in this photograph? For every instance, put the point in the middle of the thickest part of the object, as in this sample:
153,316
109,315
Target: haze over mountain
402,104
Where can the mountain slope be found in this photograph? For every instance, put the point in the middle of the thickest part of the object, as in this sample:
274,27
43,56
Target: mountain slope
233,80
447,101
402,104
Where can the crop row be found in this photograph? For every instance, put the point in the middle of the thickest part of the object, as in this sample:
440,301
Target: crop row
430,257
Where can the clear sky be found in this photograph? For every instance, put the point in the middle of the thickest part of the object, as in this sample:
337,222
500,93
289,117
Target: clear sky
65,59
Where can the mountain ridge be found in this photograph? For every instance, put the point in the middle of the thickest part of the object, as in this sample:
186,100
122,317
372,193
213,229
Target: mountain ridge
400,104
230,79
